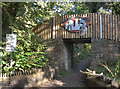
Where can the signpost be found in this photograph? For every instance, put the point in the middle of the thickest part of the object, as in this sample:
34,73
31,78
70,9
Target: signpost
11,40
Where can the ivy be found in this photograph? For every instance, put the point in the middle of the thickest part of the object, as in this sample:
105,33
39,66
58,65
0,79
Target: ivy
28,54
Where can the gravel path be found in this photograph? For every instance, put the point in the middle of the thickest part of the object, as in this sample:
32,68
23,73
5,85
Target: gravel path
73,79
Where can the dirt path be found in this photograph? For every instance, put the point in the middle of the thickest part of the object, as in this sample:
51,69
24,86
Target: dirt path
73,79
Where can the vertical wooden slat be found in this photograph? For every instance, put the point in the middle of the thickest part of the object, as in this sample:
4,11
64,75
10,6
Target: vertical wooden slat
69,34
67,31
59,20
108,26
112,25
51,29
81,15
110,19
103,26
96,25
75,33
83,34
93,25
119,28
62,29
55,27
115,28
86,33
90,25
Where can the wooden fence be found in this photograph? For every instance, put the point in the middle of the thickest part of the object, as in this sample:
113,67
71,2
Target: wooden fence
17,73
106,27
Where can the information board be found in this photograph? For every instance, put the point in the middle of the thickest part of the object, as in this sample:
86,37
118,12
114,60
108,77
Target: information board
11,40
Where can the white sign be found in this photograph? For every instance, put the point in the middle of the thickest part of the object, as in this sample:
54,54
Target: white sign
11,40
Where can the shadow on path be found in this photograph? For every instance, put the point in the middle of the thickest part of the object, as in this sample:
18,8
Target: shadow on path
73,79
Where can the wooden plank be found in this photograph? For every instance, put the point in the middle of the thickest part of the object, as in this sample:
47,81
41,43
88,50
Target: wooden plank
96,25
90,17
60,28
103,35
112,26
86,35
93,25
55,28
115,28
105,26
67,31
69,34
108,30
119,28
57,21
88,31
64,29
51,28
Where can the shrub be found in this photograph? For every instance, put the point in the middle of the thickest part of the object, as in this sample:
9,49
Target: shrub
29,53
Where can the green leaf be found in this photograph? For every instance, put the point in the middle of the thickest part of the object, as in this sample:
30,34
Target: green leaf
20,69
28,54
3,62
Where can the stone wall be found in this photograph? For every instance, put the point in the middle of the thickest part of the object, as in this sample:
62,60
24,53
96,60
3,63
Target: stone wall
59,55
103,49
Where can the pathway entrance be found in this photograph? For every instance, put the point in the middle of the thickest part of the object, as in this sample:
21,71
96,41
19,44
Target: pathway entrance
73,79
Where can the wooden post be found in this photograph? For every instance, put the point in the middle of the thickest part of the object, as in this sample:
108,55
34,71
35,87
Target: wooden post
0,35
119,28
100,26
53,31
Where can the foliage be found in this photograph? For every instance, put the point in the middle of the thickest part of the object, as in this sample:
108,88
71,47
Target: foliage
28,54
81,52
64,72
113,66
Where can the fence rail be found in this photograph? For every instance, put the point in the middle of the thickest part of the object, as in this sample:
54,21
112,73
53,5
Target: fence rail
110,27
17,73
